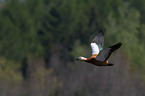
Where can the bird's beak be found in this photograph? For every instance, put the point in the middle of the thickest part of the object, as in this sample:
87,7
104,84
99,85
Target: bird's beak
76,59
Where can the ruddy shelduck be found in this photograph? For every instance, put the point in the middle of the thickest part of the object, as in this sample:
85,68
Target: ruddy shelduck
99,55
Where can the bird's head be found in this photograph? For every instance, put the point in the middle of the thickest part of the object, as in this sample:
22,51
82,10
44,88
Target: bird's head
81,58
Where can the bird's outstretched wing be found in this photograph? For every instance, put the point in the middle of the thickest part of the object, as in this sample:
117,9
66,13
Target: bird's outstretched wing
99,38
105,53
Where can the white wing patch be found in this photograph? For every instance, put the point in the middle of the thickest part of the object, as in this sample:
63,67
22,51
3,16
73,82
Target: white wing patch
95,48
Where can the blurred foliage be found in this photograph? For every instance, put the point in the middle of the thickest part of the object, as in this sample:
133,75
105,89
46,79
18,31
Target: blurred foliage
126,29
139,5
81,92
35,28
77,49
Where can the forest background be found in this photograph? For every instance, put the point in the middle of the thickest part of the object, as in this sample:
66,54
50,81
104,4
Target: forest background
39,40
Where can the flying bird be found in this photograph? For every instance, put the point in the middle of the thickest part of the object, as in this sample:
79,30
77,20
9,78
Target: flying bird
99,55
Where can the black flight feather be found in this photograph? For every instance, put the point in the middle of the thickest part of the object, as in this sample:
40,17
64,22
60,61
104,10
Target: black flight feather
105,53
99,38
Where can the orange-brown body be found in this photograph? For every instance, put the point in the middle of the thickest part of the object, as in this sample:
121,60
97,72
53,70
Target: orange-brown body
97,62
92,60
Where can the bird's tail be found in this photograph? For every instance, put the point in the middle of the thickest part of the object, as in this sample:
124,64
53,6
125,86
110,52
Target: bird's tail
110,64
115,47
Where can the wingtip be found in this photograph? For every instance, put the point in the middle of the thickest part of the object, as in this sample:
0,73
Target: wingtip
99,38
120,43
115,47
101,31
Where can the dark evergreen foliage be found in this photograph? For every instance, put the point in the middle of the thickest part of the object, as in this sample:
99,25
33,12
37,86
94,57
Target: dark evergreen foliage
40,38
